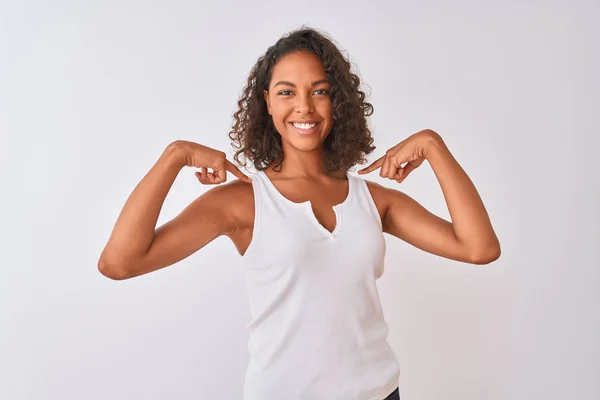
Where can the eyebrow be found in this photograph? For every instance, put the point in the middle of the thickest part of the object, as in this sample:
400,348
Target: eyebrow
315,83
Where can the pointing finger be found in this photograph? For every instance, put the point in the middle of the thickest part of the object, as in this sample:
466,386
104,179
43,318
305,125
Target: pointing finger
235,171
376,164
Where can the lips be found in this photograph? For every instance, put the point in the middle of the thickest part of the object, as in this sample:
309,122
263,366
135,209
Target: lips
302,127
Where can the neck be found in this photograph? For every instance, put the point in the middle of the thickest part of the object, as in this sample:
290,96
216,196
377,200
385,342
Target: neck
305,165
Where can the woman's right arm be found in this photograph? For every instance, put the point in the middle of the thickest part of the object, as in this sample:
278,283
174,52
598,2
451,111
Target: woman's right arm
136,247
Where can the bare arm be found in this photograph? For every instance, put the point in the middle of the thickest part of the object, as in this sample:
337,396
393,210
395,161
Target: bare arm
135,247
468,238
470,221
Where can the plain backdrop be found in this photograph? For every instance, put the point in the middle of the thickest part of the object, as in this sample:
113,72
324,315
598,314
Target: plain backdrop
91,92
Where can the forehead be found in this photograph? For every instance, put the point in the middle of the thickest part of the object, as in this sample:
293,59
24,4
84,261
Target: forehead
298,67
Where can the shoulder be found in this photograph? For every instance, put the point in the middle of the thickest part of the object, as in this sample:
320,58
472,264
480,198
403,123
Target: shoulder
236,192
233,201
380,196
384,197
237,187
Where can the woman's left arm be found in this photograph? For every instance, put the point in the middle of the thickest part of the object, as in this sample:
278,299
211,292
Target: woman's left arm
470,236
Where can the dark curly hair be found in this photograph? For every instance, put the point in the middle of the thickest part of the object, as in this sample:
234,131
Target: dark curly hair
254,135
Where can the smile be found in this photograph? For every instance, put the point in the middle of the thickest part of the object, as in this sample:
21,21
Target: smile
305,128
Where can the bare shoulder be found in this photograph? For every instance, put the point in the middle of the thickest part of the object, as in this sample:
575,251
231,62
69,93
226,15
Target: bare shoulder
238,198
384,197
380,197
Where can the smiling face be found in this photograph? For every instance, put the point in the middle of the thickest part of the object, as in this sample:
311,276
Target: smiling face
299,102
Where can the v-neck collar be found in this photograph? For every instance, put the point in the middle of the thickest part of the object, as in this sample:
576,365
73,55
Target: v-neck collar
307,205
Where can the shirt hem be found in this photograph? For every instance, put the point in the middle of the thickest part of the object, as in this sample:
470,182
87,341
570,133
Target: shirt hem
389,390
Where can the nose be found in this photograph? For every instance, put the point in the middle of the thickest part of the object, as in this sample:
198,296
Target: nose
304,104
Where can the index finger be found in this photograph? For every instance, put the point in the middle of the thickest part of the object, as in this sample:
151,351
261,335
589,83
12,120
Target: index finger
229,166
376,164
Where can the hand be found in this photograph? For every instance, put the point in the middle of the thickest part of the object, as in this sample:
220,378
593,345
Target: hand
412,151
204,157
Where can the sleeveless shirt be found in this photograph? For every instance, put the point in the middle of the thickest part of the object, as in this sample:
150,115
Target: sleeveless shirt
317,329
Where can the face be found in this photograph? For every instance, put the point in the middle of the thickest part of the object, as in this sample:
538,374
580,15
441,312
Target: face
299,102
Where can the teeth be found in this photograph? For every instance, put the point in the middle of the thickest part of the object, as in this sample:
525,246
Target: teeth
304,126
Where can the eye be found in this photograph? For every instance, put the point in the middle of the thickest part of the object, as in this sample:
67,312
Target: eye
283,92
323,91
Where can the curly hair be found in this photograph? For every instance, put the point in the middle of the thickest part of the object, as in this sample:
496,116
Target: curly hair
253,133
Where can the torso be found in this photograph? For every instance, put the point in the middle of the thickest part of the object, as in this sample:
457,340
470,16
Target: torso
313,295
323,197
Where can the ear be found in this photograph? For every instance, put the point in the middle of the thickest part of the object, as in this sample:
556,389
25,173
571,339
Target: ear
266,95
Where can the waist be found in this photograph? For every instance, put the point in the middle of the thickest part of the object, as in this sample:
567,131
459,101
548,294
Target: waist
373,380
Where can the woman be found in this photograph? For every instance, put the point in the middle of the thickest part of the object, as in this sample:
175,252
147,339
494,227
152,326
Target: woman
311,234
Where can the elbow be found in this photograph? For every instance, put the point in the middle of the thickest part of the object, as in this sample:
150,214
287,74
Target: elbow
487,255
111,271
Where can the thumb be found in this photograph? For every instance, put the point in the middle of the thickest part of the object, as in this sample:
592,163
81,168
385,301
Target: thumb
403,172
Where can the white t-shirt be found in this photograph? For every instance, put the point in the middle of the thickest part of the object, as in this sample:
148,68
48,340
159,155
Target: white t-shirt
317,330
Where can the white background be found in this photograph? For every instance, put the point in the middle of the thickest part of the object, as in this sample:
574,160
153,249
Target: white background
92,92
